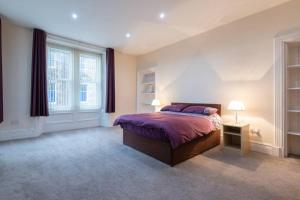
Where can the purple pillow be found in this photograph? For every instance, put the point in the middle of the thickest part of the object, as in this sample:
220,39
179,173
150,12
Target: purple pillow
200,110
174,108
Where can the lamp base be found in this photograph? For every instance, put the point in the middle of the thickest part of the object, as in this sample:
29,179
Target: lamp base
237,122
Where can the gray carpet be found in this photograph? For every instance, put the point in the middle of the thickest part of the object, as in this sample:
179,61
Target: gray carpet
93,164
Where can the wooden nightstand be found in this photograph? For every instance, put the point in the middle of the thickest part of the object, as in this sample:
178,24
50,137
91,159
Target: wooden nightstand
237,136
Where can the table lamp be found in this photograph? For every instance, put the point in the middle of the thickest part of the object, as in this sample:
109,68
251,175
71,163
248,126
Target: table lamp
155,102
236,106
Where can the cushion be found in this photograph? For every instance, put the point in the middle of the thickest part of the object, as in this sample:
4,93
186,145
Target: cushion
200,110
174,108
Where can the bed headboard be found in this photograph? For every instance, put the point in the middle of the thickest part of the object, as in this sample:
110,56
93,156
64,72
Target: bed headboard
218,106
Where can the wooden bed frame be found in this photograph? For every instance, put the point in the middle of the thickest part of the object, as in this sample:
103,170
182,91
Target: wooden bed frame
163,150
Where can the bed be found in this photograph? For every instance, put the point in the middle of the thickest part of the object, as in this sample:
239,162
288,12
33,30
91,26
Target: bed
154,141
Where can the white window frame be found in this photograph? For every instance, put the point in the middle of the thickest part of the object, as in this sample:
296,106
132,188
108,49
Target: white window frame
52,45
78,47
98,86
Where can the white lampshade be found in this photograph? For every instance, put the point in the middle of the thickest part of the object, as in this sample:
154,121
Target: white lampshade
236,105
155,102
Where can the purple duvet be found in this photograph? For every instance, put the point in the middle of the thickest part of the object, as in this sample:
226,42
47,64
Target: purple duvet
176,128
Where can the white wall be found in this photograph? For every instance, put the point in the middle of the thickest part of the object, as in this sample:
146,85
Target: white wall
234,61
17,49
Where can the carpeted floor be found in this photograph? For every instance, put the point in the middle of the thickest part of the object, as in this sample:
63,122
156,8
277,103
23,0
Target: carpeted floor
92,164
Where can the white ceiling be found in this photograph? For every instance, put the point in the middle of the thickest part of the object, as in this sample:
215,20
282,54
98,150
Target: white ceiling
105,22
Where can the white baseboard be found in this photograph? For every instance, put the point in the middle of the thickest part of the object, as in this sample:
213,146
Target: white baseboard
41,127
17,134
265,148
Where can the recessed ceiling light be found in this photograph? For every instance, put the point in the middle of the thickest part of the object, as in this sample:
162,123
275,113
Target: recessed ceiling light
128,35
74,16
162,15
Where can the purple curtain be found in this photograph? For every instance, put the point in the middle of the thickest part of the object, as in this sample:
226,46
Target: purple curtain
39,98
1,81
110,77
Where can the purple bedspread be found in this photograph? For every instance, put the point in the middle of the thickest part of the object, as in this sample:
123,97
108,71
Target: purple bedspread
176,128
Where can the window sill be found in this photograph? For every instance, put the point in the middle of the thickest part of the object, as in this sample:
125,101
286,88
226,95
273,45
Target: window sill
60,113
89,111
77,111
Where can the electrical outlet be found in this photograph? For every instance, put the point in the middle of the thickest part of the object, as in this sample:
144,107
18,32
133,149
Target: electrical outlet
255,131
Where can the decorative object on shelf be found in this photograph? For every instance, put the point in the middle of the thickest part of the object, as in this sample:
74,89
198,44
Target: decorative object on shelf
236,106
149,78
149,88
155,102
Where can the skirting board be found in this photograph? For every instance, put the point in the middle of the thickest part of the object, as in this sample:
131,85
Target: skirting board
265,149
19,134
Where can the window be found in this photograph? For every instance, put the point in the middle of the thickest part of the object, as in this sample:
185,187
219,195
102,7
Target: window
74,79
83,91
89,81
60,79
51,93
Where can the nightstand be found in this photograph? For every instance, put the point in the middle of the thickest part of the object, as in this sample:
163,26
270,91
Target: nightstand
236,136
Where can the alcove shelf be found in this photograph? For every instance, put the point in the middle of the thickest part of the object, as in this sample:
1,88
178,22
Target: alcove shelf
146,89
294,133
292,98
294,66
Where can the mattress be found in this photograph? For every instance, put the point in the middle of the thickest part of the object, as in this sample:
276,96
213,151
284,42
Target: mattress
174,127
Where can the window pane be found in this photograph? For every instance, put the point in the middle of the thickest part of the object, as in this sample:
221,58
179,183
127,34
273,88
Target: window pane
60,79
51,93
83,90
89,73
